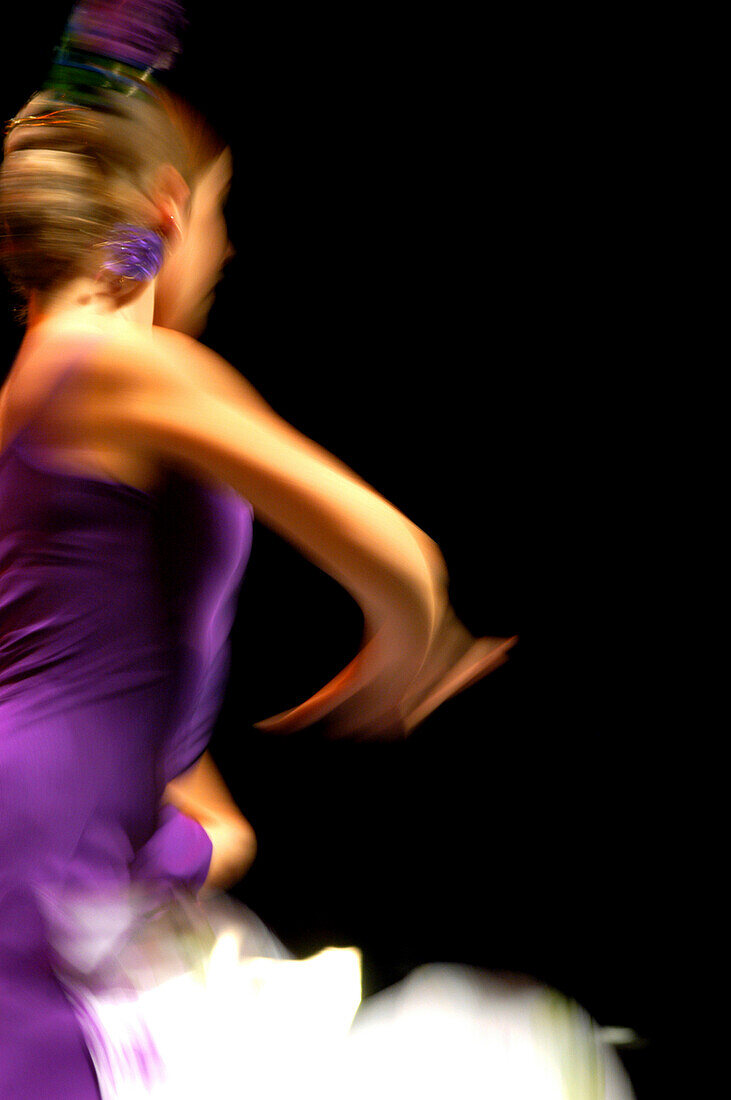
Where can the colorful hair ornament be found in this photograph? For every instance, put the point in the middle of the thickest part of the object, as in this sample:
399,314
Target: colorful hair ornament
117,46
61,117
142,33
134,253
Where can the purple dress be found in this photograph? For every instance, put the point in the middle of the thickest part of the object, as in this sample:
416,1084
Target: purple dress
115,611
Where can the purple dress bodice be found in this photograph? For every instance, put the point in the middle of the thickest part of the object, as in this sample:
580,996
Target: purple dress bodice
115,611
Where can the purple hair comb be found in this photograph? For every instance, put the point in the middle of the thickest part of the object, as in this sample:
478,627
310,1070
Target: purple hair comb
134,252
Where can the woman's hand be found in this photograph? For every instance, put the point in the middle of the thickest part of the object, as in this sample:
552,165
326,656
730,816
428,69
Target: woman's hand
456,661
368,699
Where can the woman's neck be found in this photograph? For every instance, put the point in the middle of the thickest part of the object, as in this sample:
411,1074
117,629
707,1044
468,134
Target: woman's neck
86,302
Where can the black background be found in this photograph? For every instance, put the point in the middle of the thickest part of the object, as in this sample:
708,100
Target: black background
426,284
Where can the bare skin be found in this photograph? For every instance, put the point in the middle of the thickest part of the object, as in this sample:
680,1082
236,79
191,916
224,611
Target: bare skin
143,396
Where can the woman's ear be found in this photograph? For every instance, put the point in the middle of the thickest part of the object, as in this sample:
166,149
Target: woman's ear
171,196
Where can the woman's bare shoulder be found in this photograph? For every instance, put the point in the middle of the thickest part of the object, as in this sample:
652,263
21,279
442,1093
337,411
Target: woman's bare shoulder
120,350
43,358
58,379
111,371
160,358
92,361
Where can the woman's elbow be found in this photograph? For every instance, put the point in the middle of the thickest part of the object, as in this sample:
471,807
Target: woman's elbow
243,846
247,846
234,850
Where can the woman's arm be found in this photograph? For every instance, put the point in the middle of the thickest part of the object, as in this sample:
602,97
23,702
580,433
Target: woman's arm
201,794
169,397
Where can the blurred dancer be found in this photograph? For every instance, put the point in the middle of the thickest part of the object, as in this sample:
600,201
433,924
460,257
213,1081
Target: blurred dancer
131,459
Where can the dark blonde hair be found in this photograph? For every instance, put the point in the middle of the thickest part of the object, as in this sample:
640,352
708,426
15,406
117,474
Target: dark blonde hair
71,174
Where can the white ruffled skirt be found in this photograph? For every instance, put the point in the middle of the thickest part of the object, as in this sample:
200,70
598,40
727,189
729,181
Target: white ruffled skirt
199,1001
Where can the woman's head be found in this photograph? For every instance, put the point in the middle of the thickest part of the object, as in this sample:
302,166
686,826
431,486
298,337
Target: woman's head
74,177
197,253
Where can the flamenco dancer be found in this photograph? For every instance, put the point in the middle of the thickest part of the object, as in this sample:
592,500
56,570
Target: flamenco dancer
132,461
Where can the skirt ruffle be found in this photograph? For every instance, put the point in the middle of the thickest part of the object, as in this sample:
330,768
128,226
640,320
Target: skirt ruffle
199,999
